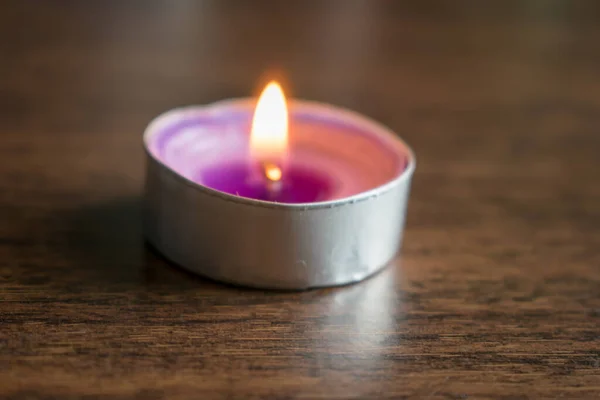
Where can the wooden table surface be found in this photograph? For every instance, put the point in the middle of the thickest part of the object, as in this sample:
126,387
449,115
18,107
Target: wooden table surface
496,294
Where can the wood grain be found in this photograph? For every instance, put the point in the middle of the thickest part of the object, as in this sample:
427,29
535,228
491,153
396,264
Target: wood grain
497,292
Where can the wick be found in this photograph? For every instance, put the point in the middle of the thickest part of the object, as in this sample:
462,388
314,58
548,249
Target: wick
272,175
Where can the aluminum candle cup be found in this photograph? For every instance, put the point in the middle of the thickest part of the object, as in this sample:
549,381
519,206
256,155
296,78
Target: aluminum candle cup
341,221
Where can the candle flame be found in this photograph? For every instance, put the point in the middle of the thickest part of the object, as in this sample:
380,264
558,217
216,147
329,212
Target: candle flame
269,134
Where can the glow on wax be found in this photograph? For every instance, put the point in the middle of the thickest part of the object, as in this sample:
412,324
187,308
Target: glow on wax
269,133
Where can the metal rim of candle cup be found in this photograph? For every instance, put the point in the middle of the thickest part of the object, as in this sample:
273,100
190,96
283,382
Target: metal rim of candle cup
400,183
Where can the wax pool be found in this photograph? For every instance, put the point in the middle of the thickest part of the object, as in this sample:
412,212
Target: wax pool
331,155
298,184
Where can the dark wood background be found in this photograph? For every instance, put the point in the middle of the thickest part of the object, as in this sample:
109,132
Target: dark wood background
496,294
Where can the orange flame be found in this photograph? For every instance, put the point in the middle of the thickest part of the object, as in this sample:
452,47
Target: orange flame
269,134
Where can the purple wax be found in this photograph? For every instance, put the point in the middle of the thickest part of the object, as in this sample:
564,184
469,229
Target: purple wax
333,154
298,185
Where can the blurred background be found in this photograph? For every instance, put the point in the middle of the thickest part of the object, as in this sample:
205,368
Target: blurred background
107,67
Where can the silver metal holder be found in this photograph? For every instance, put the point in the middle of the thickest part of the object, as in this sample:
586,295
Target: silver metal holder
272,245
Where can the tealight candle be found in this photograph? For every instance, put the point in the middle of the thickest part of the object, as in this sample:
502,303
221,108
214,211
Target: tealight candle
251,193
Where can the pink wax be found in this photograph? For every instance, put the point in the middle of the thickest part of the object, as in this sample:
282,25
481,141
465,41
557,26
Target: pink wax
333,153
